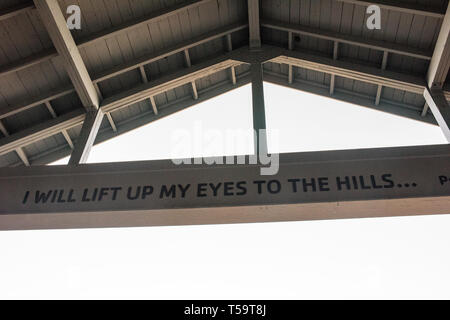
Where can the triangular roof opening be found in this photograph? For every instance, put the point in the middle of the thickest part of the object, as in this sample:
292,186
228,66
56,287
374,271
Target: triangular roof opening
296,121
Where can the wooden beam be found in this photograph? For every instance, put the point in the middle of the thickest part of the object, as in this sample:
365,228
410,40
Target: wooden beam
341,94
106,34
290,67
149,116
153,103
40,100
16,10
335,57
68,139
309,186
120,100
50,109
253,22
290,40
28,62
86,139
332,84
56,26
99,92
188,62
23,156
424,10
64,132
20,153
385,60
142,21
335,50
167,82
233,75
259,111
187,58
352,71
300,59
229,42
115,71
440,108
111,121
143,74
424,110
41,131
440,62
194,90
383,67
3,130
290,73
166,52
145,80
348,39
378,96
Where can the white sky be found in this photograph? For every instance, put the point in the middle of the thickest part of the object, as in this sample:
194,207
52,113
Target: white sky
406,257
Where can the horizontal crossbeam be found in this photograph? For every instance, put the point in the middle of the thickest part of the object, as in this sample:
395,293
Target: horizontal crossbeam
352,71
306,186
348,39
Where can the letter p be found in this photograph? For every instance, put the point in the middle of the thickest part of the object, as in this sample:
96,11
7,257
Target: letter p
443,180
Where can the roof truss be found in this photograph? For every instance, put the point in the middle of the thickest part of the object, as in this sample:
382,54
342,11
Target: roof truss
89,92
436,76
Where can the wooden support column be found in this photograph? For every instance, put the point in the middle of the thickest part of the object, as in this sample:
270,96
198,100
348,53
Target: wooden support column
229,49
145,80
64,132
143,74
153,102
436,76
335,57
424,110
87,136
111,121
189,64
440,61
56,25
229,42
233,75
259,112
254,25
380,87
23,157
440,107
290,70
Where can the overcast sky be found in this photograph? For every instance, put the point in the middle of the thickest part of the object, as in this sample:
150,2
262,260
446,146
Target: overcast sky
405,257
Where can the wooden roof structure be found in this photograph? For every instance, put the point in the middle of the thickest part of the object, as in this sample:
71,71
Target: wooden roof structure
136,61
